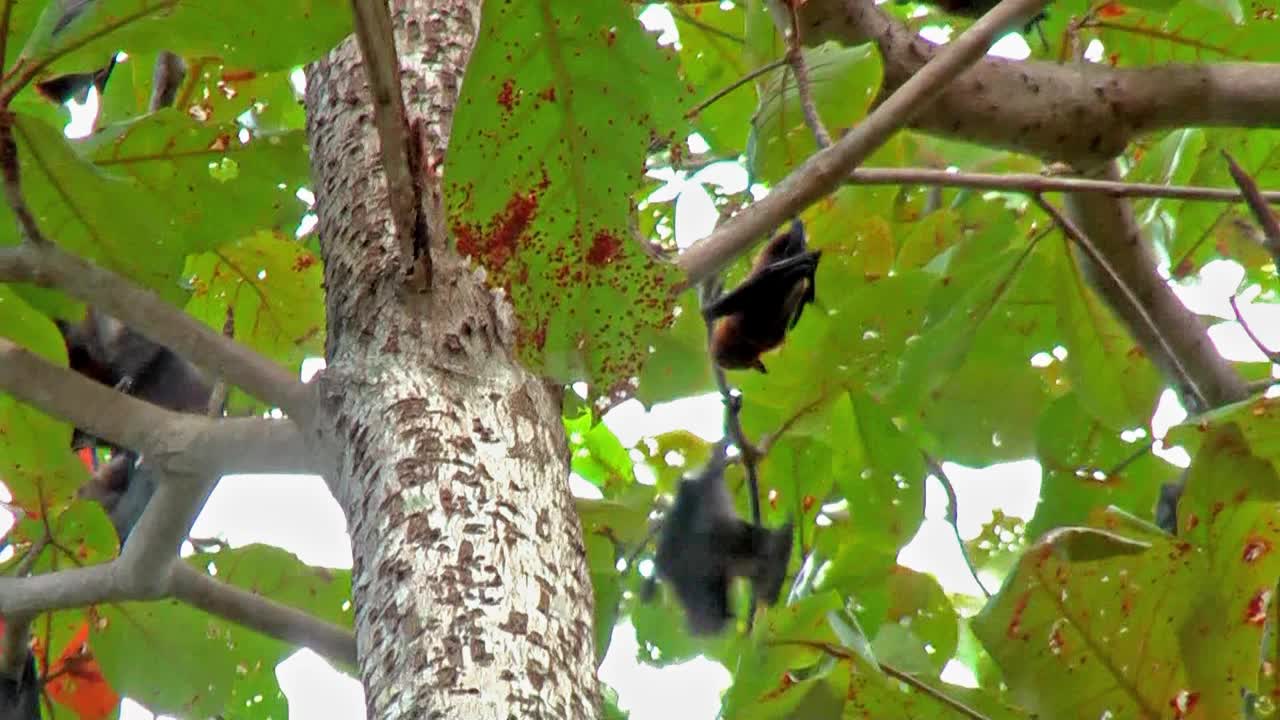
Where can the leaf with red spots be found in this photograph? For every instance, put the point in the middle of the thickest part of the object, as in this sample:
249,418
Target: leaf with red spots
1088,625
545,157
1230,507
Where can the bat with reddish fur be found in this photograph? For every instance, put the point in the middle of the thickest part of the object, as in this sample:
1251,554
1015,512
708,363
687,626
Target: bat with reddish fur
755,316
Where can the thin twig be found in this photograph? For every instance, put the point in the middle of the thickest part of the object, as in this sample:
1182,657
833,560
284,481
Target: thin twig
683,16
1034,183
1272,355
795,58
1258,206
1086,245
952,517
923,687
841,653
767,441
4,31
1133,457
720,94
733,426
11,174
733,423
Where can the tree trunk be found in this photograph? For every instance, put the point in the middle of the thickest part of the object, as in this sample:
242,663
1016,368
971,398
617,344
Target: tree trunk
472,598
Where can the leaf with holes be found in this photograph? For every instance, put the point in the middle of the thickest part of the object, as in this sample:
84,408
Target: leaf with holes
1104,611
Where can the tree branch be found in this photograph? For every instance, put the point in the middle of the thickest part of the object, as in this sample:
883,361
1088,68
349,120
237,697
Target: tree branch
1176,339
49,266
89,405
73,588
398,145
195,443
1033,183
251,445
1253,197
1081,113
263,614
826,169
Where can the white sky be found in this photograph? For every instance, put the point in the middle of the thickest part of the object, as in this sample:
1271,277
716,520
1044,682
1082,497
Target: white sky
245,509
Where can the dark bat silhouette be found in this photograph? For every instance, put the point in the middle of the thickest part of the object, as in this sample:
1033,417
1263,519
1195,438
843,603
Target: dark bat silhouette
1167,505
102,348
755,316
704,545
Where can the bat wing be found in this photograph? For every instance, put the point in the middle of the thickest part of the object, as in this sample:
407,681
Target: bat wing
706,603
769,287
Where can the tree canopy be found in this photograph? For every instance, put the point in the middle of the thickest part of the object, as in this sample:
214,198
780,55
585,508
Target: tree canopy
994,286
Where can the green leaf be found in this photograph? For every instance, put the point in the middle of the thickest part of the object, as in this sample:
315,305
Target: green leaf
98,215
1085,467
1187,33
1101,610
1109,371
765,684
1256,420
712,58
679,365
272,286
921,633
202,665
36,462
607,590
843,82
275,36
279,575
1230,507
194,664
204,178
597,455
885,472
544,156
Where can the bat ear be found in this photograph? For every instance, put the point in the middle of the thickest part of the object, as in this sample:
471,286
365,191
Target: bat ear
758,365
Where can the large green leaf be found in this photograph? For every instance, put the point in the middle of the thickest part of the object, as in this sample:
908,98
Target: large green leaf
544,156
202,665
1101,610
205,179
95,213
271,286
273,36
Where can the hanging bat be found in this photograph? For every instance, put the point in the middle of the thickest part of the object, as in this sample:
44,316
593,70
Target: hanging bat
755,316
704,545
104,349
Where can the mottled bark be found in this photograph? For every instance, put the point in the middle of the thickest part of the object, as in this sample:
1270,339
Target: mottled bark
472,598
